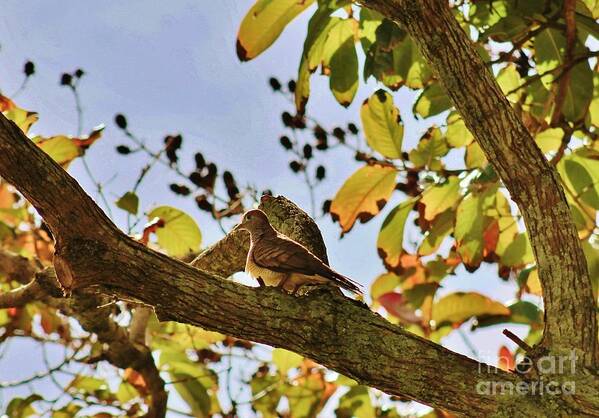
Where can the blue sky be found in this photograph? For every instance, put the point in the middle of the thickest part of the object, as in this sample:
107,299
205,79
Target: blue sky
171,67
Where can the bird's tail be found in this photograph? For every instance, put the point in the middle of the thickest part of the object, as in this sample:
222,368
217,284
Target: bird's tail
347,283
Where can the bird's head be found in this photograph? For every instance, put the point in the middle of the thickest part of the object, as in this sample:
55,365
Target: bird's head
255,222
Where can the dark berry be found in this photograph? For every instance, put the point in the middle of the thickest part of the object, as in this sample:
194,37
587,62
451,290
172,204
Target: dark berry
274,84
291,86
180,189
286,142
352,128
307,151
123,149
287,119
326,206
339,134
200,161
29,68
66,79
320,172
295,166
203,203
79,73
121,121
319,133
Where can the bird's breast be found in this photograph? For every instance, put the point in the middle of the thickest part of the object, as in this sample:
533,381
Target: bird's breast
270,278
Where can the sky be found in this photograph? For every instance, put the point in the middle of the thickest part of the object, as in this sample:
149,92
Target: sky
171,67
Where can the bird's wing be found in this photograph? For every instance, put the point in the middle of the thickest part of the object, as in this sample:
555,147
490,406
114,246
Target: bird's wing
284,255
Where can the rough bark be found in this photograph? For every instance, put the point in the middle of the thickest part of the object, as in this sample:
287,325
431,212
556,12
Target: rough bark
93,312
91,253
570,313
335,331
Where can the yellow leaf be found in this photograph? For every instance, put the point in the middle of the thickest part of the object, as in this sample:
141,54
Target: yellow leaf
440,197
382,124
180,234
458,307
263,24
390,241
363,195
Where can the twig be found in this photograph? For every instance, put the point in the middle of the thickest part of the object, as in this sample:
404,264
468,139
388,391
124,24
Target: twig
527,348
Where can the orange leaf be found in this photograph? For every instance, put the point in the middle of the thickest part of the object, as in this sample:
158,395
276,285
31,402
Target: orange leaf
506,359
136,380
490,238
150,228
6,104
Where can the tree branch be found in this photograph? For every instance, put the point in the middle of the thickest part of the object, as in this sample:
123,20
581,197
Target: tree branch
570,317
335,331
94,316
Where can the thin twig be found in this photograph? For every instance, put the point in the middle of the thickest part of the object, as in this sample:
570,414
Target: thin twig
527,348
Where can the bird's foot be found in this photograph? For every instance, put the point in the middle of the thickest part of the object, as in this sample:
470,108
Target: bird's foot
261,282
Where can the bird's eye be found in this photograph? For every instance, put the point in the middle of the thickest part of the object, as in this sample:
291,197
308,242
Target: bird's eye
249,217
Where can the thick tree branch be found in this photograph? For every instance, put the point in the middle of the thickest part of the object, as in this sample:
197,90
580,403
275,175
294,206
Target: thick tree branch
335,331
570,316
21,296
93,314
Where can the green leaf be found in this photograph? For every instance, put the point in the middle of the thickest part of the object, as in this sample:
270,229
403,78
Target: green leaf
356,403
320,25
391,236
68,411
61,148
384,283
416,294
458,307
592,255
550,139
583,174
550,47
382,124
440,197
579,92
457,134
263,24
518,252
304,397
126,392
180,234
470,224
431,147
340,61
192,381
593,6
507,29
369,22
394,59
286,360
266,392
129,202
363,195
509,80
89,385
432,101
22,408
475,157
440,228
521,312
594,106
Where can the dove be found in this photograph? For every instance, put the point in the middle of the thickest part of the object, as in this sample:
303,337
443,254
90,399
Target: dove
277,260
